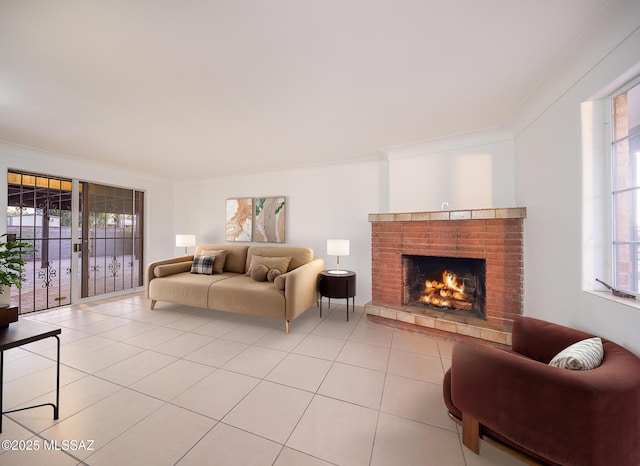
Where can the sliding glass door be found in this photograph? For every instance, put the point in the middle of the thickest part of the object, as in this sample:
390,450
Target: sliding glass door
112,223
88,237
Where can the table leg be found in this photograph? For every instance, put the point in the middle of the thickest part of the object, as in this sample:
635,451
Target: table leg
347,295
56,408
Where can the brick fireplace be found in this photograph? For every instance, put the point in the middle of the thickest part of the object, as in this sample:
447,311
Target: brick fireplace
493,237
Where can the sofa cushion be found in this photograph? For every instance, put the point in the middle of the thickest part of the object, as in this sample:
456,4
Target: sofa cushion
299,255
165,270
273,274
189,289
219,254
259,272
236,255
203,265
247,296
581,356
279,263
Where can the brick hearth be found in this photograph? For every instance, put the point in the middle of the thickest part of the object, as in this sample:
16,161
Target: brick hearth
495,235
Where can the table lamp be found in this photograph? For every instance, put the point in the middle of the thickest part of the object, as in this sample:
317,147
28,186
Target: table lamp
185,241
337,247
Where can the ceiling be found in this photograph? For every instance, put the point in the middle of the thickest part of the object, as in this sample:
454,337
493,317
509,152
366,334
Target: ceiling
205,88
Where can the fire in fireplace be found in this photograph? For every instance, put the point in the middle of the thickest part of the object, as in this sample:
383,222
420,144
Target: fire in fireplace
449,292
445,283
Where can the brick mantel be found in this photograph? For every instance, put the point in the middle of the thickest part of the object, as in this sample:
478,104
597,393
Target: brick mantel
495,235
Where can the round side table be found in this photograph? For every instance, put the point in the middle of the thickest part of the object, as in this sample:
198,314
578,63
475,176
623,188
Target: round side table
341,286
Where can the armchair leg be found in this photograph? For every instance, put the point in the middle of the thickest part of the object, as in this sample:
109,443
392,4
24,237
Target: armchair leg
286,325
471,433
153,303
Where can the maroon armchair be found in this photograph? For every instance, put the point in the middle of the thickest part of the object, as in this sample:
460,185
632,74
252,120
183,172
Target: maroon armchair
555,416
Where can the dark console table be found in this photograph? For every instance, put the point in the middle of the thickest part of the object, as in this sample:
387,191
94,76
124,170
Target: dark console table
21,333
341,285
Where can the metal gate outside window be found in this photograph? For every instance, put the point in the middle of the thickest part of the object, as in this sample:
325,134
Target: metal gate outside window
107,256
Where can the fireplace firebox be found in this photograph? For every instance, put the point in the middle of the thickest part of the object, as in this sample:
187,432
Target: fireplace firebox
453,284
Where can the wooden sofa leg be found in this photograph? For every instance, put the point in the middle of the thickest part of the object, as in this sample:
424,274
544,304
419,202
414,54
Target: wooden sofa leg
471,433
286,325
153,303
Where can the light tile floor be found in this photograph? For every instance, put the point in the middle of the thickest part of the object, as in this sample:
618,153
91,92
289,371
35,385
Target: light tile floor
184,386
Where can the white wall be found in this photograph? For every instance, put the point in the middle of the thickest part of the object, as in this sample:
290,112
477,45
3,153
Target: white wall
466,171
322,203
158,193
549,178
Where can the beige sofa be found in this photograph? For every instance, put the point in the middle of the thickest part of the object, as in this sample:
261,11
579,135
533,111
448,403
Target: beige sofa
231,289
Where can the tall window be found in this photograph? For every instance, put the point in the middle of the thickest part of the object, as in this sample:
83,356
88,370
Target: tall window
625,171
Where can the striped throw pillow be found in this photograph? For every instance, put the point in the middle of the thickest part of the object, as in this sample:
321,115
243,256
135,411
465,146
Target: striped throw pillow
203,265
581,356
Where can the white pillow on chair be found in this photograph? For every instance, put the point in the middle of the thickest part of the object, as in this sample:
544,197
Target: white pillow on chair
581,356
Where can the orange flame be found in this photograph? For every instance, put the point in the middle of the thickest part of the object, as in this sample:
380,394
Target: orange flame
442,293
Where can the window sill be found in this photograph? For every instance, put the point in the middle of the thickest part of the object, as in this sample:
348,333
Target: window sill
616,299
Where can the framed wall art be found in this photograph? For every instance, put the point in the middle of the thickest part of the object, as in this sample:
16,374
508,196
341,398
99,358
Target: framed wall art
270,219
239,219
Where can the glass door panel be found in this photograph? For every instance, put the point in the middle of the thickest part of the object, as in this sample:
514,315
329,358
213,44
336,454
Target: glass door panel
39,212
112,254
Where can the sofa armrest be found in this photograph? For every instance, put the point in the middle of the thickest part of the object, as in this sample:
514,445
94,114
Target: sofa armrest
301,288
542,340
556,413
150,275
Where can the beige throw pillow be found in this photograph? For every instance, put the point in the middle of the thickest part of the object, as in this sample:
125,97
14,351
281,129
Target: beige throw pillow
279,263
259,273
273,274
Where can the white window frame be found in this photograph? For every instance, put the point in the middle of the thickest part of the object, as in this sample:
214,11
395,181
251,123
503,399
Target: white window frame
614,191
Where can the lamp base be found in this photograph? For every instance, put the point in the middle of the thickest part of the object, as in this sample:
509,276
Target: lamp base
337,272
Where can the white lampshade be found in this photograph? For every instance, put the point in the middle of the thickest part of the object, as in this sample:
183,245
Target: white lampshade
338,247
185,241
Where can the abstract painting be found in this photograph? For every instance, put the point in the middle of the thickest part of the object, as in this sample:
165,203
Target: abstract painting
239,219
270,219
